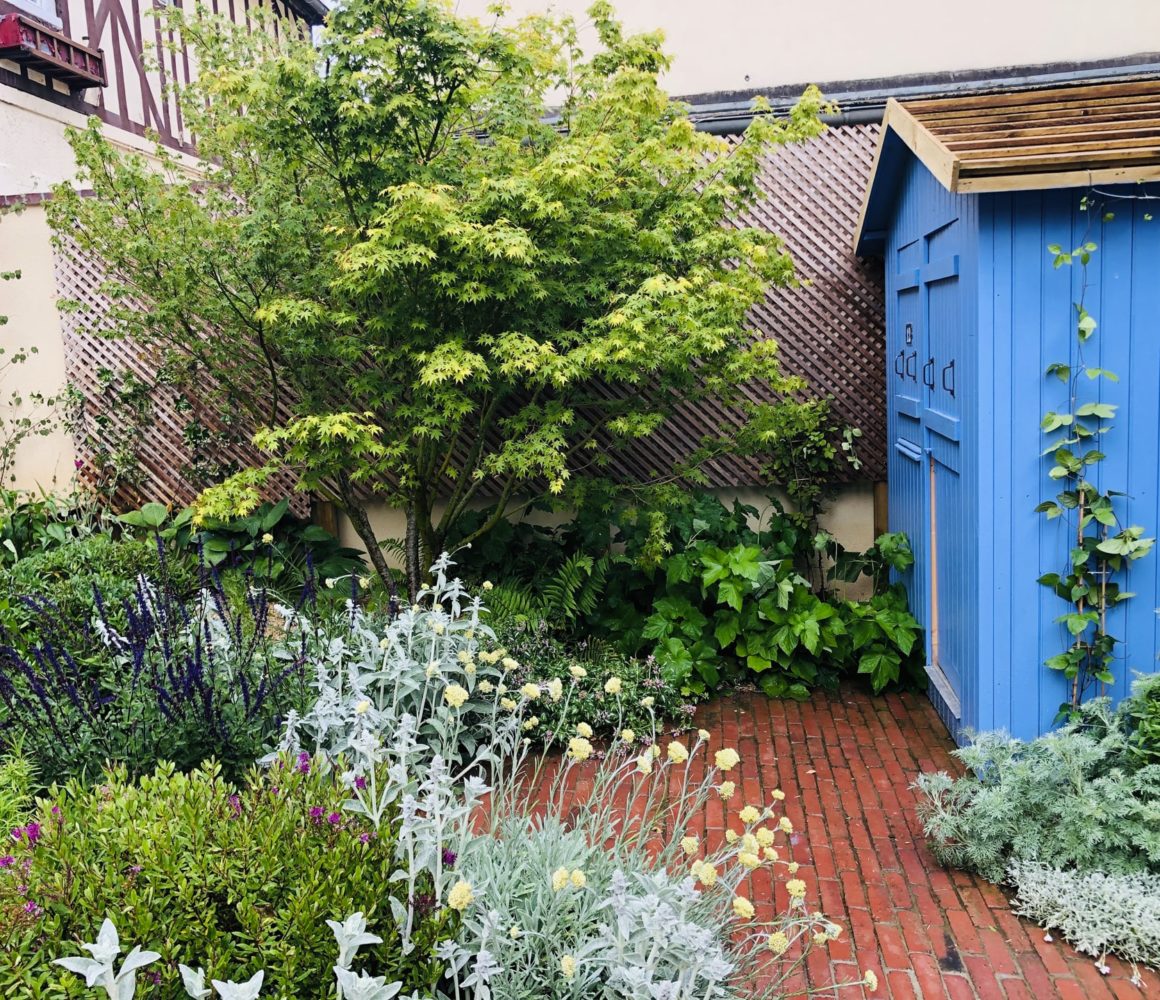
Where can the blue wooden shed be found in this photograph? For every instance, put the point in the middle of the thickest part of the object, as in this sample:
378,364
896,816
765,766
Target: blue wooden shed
964,199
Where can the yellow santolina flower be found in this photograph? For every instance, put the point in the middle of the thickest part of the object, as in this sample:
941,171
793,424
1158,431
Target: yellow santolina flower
648,702
486,687
727,759
469,670
362,707
502,688
689,845
579,748
469,634
785,824
764,836
267,538
704,872
743,908
627,735
726,790
777,942
585,730
677,752
437,628
820,938
530,691
796,888
749,860
384,642
612,685
703,735
792,867
559,879
577,672
510,664
644,763
730,836
487,585
508,704
749,815
463,656
461,896
578,879
432,670
568,966
531,723
871,981
778,794
454,695
749,843
515,933
555,689
770,853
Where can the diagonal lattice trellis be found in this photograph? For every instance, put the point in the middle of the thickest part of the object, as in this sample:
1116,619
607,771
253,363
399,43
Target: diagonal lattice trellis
830,331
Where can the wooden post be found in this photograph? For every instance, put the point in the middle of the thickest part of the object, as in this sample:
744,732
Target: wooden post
325,515
881,509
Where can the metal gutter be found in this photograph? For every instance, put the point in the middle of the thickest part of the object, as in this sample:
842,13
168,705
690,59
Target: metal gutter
863,101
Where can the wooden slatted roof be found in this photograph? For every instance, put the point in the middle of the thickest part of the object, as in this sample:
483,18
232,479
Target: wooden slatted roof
1072,136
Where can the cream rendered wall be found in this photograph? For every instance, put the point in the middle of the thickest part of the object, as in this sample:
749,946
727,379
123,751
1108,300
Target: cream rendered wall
743,45
33,321
850,519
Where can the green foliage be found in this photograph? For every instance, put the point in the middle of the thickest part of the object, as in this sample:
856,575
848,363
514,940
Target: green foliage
1101,549
563,596
544,657
233,879
31,524
1075,798
433,309
62,580
17,777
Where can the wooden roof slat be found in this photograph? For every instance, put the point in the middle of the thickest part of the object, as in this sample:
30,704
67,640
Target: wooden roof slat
1058,126
1040,112
1102,146
1097,93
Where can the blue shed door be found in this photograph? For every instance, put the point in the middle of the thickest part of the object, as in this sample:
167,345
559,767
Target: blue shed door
928,498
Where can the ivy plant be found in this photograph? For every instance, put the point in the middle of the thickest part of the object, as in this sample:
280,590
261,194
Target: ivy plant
1101,547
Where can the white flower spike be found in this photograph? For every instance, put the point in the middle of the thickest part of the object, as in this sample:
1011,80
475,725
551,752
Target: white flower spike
248,990
351,935
194,982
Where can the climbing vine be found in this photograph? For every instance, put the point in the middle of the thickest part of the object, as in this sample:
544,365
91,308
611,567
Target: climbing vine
1100,548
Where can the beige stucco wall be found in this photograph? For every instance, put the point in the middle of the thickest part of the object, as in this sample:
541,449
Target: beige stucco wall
850,519
737,45
33,321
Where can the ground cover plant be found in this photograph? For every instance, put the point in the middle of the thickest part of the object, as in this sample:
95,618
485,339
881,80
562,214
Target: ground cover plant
1072,815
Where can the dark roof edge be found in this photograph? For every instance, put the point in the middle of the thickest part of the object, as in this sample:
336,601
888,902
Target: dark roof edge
311,11
863,101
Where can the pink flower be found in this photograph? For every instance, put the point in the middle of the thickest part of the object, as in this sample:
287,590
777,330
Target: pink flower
7,861
334,819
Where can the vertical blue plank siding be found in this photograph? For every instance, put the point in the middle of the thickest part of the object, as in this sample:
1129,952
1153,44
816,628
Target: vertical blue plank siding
1004,318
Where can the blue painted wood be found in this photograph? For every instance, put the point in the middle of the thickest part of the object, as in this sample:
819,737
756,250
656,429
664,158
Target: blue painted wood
972,277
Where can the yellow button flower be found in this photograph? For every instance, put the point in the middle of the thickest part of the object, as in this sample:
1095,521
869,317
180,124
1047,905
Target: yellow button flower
486,687
515,933
530,691
749,815
730,836
585,730
778,794
568,966
726,790
578,879
454,695
579,748
531,723
612,685
871,981
689,845
727,759
777,942
555,689
703,735
785,825
627,735
770,853
559,879
764,836
749,860
508,704
677,752
706,874
644,763
648,702
461,896
796,888
743,908
510,664
578,672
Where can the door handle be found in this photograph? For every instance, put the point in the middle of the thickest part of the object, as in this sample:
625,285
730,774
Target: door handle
949,368
899,365
929,366
912,374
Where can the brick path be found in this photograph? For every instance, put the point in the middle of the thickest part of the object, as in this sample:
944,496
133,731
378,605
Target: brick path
845,762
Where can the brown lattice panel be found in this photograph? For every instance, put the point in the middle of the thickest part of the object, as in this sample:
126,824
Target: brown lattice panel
830,331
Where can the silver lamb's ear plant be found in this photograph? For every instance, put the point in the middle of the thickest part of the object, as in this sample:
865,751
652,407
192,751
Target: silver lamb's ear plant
99,971
364,987
194,982
351,935
248,990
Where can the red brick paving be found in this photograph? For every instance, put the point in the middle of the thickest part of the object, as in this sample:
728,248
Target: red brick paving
845,762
